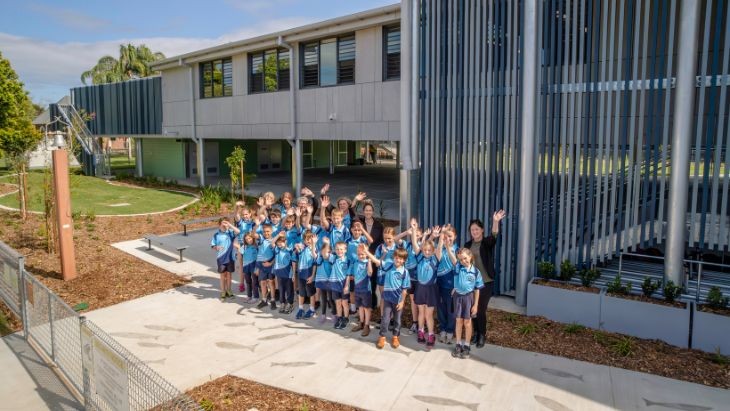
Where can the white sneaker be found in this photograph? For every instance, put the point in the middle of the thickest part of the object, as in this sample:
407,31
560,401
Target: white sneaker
442,337
252,301
451,339
413,329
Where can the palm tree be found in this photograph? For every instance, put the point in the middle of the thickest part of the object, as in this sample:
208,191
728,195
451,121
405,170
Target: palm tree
133,62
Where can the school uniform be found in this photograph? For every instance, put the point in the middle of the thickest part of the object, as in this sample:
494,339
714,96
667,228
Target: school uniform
305,268
466,280
411,265
283,271
338,277
427,292
384,254
321,282
248,257
445,282
359,276
225,258
395,280
352,246
265,255
338,234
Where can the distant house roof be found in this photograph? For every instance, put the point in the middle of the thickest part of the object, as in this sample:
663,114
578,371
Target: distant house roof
45,117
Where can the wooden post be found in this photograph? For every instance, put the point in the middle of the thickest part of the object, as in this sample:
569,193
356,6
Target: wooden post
63,212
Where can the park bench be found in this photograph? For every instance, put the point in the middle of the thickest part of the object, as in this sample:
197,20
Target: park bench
161,241
196,221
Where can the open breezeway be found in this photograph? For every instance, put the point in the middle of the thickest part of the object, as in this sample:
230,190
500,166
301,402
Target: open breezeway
205,339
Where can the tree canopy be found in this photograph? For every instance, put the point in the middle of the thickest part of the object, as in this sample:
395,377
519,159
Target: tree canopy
133,62
17,134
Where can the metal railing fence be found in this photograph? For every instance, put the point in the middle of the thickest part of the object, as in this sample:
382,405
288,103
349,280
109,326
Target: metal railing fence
94,366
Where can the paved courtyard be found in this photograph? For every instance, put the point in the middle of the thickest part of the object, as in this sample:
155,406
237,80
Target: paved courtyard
190,337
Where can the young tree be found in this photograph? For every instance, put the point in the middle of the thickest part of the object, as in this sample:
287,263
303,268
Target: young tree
236,163
17,134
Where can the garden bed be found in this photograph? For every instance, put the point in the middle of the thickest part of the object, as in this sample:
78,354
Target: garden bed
559,303
711,329
233,393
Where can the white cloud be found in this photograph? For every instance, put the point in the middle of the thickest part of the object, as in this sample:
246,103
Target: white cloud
71,18
49,69
258,6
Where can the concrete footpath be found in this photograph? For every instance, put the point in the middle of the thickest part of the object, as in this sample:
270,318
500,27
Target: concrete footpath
190,337
27,383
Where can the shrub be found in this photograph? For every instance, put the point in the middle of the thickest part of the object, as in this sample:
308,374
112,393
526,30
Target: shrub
526,329
573,328
567,270
617,287
206,404
623,346
76,215
512,317
649,286
718,358
211,197
546,270
671,291
715,298
588,276
91,215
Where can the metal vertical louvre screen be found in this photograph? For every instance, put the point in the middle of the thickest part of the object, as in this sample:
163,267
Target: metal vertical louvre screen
709,175
54,330
469,104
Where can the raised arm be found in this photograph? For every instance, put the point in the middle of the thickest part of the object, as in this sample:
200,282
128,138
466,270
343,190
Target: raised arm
440,247
373,258
496,220
451,254
358,198
322,216
414,234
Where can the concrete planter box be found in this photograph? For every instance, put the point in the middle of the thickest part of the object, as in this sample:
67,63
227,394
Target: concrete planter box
562,305
710,332
646,320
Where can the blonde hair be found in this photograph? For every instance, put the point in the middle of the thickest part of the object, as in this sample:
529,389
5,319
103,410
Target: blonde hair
468,252
389,230
400,253
336,213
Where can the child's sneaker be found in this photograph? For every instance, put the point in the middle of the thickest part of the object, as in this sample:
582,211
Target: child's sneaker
241,288
272,305
421,337
356,328
451,339
282,310
381,342
289,308
309,314
457,351
340,323
442,337
431,342
345,321
300,314
223,296
465,351
413,329
322,319
252,300
262,304
365,331
395,342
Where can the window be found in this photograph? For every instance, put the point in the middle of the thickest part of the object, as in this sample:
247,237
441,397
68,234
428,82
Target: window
328,62
216,78
268,71
391,53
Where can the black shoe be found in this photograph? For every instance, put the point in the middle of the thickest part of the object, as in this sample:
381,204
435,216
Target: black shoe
465,352
457,351
345,321
272,305
338,323
474,338
481,340
262,304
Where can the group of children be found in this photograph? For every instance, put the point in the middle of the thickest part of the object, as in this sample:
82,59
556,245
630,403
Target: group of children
278,246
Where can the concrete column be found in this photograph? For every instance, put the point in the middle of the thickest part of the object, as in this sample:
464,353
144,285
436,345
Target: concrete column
407,145
681,140
528,154
138,156
201,161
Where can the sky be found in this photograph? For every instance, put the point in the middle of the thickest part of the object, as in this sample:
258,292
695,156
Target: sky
50,43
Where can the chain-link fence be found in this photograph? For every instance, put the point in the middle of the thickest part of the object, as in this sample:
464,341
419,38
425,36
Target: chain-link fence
92,364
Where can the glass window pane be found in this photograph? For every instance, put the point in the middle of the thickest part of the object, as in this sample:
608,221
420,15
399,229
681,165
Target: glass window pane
218,78
284,70
256,78
328,62
207,80
392,50
227,77
270,69
310,74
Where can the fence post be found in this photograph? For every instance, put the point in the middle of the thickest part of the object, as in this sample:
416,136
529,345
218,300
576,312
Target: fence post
85,377
21,288
50,325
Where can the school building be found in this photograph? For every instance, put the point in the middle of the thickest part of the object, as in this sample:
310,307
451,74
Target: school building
600,126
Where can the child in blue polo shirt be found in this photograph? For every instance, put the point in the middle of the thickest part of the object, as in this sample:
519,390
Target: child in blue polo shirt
264,265
340,284
467,282
242,220
396,282
248,251
358,236
306,256
337,230
283,272
322,271
445,282
360,272
427,292
222,242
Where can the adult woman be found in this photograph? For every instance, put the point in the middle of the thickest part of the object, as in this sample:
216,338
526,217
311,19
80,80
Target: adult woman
374,228
483,250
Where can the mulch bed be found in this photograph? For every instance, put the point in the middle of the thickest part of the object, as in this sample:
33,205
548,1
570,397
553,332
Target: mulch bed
567,286
654,357
644,299
719,311
237,394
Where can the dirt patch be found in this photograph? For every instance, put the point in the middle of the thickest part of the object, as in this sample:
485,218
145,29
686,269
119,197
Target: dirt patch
9,323
719,311
654,357
233,393
644,299
567,286
7,188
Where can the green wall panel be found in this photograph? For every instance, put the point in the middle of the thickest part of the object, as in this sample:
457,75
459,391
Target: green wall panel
225,148
163,158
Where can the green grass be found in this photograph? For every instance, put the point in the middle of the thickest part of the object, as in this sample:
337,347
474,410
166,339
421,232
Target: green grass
94,195
122,163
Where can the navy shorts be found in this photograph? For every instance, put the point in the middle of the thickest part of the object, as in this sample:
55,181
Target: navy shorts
265,273
427,295
249,268
282,272
462,305
364,300
412,289
339,295
305,290
227,267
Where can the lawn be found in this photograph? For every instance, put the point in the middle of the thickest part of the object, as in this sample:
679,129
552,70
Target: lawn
91,195
122,163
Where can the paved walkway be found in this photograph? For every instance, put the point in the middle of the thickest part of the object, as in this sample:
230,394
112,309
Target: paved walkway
26,382
190,337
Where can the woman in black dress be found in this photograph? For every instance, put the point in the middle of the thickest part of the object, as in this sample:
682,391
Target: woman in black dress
483,249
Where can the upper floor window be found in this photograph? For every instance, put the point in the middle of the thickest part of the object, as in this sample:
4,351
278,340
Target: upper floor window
268,71
391,53
328,62
216,78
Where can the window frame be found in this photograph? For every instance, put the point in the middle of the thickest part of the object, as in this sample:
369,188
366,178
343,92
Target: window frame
304,44
386,30
224,61
262,53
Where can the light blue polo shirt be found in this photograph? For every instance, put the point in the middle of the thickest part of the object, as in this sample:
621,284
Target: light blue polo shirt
395,280
467,279
427,268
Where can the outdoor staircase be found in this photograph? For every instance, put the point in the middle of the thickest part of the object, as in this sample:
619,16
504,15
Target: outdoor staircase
96,161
